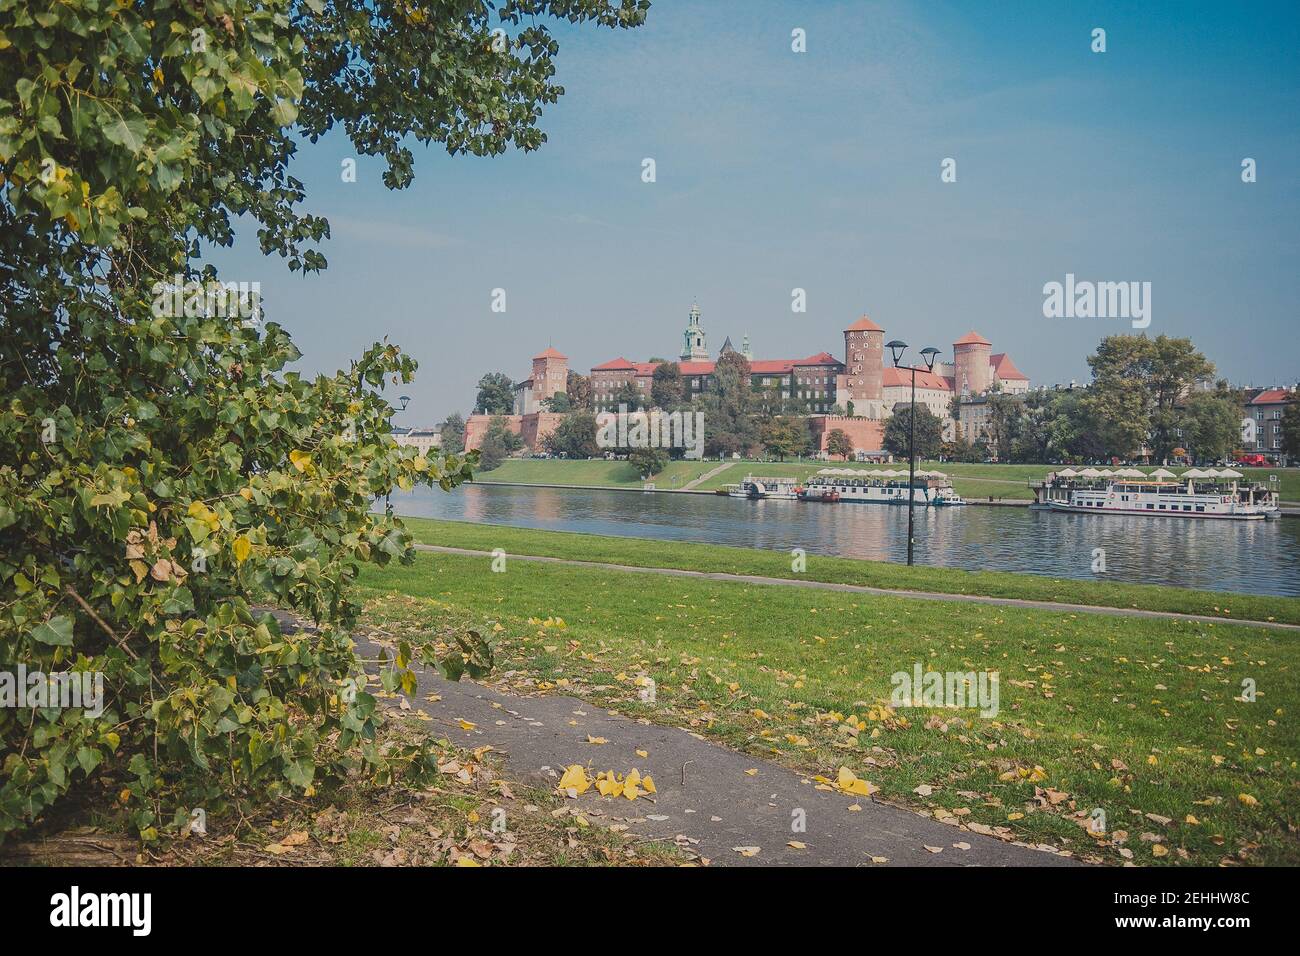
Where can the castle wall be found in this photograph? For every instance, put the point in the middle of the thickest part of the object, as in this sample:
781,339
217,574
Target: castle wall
531,428
866,434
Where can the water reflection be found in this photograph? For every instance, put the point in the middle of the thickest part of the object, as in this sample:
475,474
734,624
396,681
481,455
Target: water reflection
1249,556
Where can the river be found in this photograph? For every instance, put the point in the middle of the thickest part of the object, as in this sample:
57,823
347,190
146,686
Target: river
1253,557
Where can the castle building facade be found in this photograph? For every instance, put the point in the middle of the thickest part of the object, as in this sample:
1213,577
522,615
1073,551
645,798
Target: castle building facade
856,394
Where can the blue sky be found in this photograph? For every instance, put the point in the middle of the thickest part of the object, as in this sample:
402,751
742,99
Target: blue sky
820,170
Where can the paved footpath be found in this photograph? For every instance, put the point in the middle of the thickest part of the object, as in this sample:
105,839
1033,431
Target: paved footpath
696,482
866,589
706,802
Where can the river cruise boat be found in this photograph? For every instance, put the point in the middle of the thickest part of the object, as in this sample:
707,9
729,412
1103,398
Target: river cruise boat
879,487
757,488
1217,494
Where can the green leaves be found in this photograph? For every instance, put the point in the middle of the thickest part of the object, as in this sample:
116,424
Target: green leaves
178,119
128,133
57,631
474,657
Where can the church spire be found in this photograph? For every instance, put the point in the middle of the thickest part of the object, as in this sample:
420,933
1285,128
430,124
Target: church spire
695,347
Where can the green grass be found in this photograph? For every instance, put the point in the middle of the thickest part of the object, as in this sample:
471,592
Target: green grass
1134,717
638,552
970,480
611,474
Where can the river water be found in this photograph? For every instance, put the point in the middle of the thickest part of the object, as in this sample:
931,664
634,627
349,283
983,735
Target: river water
1256,557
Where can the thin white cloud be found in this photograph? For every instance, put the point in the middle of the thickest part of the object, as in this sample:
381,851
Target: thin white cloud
346,228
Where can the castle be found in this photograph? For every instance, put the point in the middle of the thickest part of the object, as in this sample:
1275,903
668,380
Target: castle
856,395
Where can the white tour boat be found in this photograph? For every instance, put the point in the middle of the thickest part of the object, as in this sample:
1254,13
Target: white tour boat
1194,494
756,488
879,487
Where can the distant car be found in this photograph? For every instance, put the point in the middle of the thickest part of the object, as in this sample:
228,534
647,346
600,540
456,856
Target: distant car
1252,461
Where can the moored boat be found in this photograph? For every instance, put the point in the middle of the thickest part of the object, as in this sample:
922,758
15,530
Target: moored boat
758,488
929,488
1209,494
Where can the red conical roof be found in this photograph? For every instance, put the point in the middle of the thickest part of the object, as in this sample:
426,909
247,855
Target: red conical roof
864,324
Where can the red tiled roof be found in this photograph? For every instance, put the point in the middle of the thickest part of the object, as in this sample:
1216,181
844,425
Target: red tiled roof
1005,369
972,338
903,377
645,368
821,358
1274,396
618,364
756,367
771,366
864,324
550,353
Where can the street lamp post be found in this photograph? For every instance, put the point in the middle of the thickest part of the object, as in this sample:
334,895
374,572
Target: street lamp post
388,500
898,347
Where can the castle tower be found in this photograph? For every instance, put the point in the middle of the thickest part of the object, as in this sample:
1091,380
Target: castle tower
972,372
695,347
864,367
550,374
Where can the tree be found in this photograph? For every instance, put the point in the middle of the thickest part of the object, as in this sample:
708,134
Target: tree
574,437
959,449
667,390
1071,434
453,434
1147,379
1033,436
499,429
648,461
1291,429
628,396
559,402
161,467
929,432
492,452
578,388
785,436
1004,421
496,394
1210,423
1117,418
728,420
839,443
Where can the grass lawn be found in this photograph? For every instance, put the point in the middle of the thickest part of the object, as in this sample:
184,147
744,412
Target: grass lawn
638,552
613,474
1140,719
